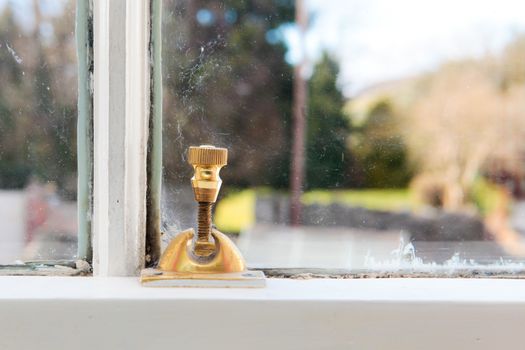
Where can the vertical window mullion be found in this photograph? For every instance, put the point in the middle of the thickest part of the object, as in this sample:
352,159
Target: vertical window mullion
84,38
121,110
153,231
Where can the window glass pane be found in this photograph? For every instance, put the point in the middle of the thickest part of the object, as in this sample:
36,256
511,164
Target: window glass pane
412,140
38,111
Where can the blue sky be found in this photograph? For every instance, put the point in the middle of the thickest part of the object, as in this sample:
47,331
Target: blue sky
23,9
380,40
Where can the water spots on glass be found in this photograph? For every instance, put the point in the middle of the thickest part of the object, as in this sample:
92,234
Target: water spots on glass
13,53
382,154
38,115
406,260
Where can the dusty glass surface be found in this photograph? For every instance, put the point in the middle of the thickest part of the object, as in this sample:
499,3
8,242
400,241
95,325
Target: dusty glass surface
38,110
414,121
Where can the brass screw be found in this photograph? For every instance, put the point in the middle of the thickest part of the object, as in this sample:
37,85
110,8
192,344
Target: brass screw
207,162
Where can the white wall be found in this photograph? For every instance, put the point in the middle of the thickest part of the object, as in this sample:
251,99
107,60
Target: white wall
12,225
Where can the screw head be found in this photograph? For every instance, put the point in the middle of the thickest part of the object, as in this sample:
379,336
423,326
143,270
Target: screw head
207,162
207,155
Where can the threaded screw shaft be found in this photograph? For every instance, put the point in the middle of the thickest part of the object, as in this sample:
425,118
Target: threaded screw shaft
204,222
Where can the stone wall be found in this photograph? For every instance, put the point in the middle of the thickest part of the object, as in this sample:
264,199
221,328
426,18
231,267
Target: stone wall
433,225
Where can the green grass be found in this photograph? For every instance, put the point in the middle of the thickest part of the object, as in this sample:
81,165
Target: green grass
375,199
486,196
236,211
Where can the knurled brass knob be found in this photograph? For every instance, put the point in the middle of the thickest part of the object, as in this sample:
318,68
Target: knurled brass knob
207,161
207,155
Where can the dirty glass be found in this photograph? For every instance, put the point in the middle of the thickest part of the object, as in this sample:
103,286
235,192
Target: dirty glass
38,115
372,136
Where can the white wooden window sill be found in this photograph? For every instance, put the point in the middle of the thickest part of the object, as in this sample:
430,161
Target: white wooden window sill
118,313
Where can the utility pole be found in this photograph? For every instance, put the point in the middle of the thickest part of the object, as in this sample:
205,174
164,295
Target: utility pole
300,95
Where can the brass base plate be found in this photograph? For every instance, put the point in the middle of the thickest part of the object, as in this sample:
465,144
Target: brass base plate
245,279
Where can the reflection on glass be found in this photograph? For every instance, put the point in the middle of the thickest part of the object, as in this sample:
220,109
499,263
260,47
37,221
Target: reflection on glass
38,100
415,116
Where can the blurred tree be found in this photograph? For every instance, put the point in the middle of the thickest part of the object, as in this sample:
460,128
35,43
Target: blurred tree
381,154
328,127
463,124
227,83
511,67
38,98
14,121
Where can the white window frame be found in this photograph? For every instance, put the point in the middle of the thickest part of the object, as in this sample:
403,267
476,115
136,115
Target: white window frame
399,314
121,111
108,311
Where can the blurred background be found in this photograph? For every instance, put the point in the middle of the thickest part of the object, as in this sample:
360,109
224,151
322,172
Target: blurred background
405,119
38,114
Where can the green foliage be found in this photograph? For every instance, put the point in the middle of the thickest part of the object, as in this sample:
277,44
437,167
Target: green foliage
225,84
236,211
14,175
380,152
327,129
38,102
486,195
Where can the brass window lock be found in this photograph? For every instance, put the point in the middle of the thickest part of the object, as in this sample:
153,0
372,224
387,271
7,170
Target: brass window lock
208,258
